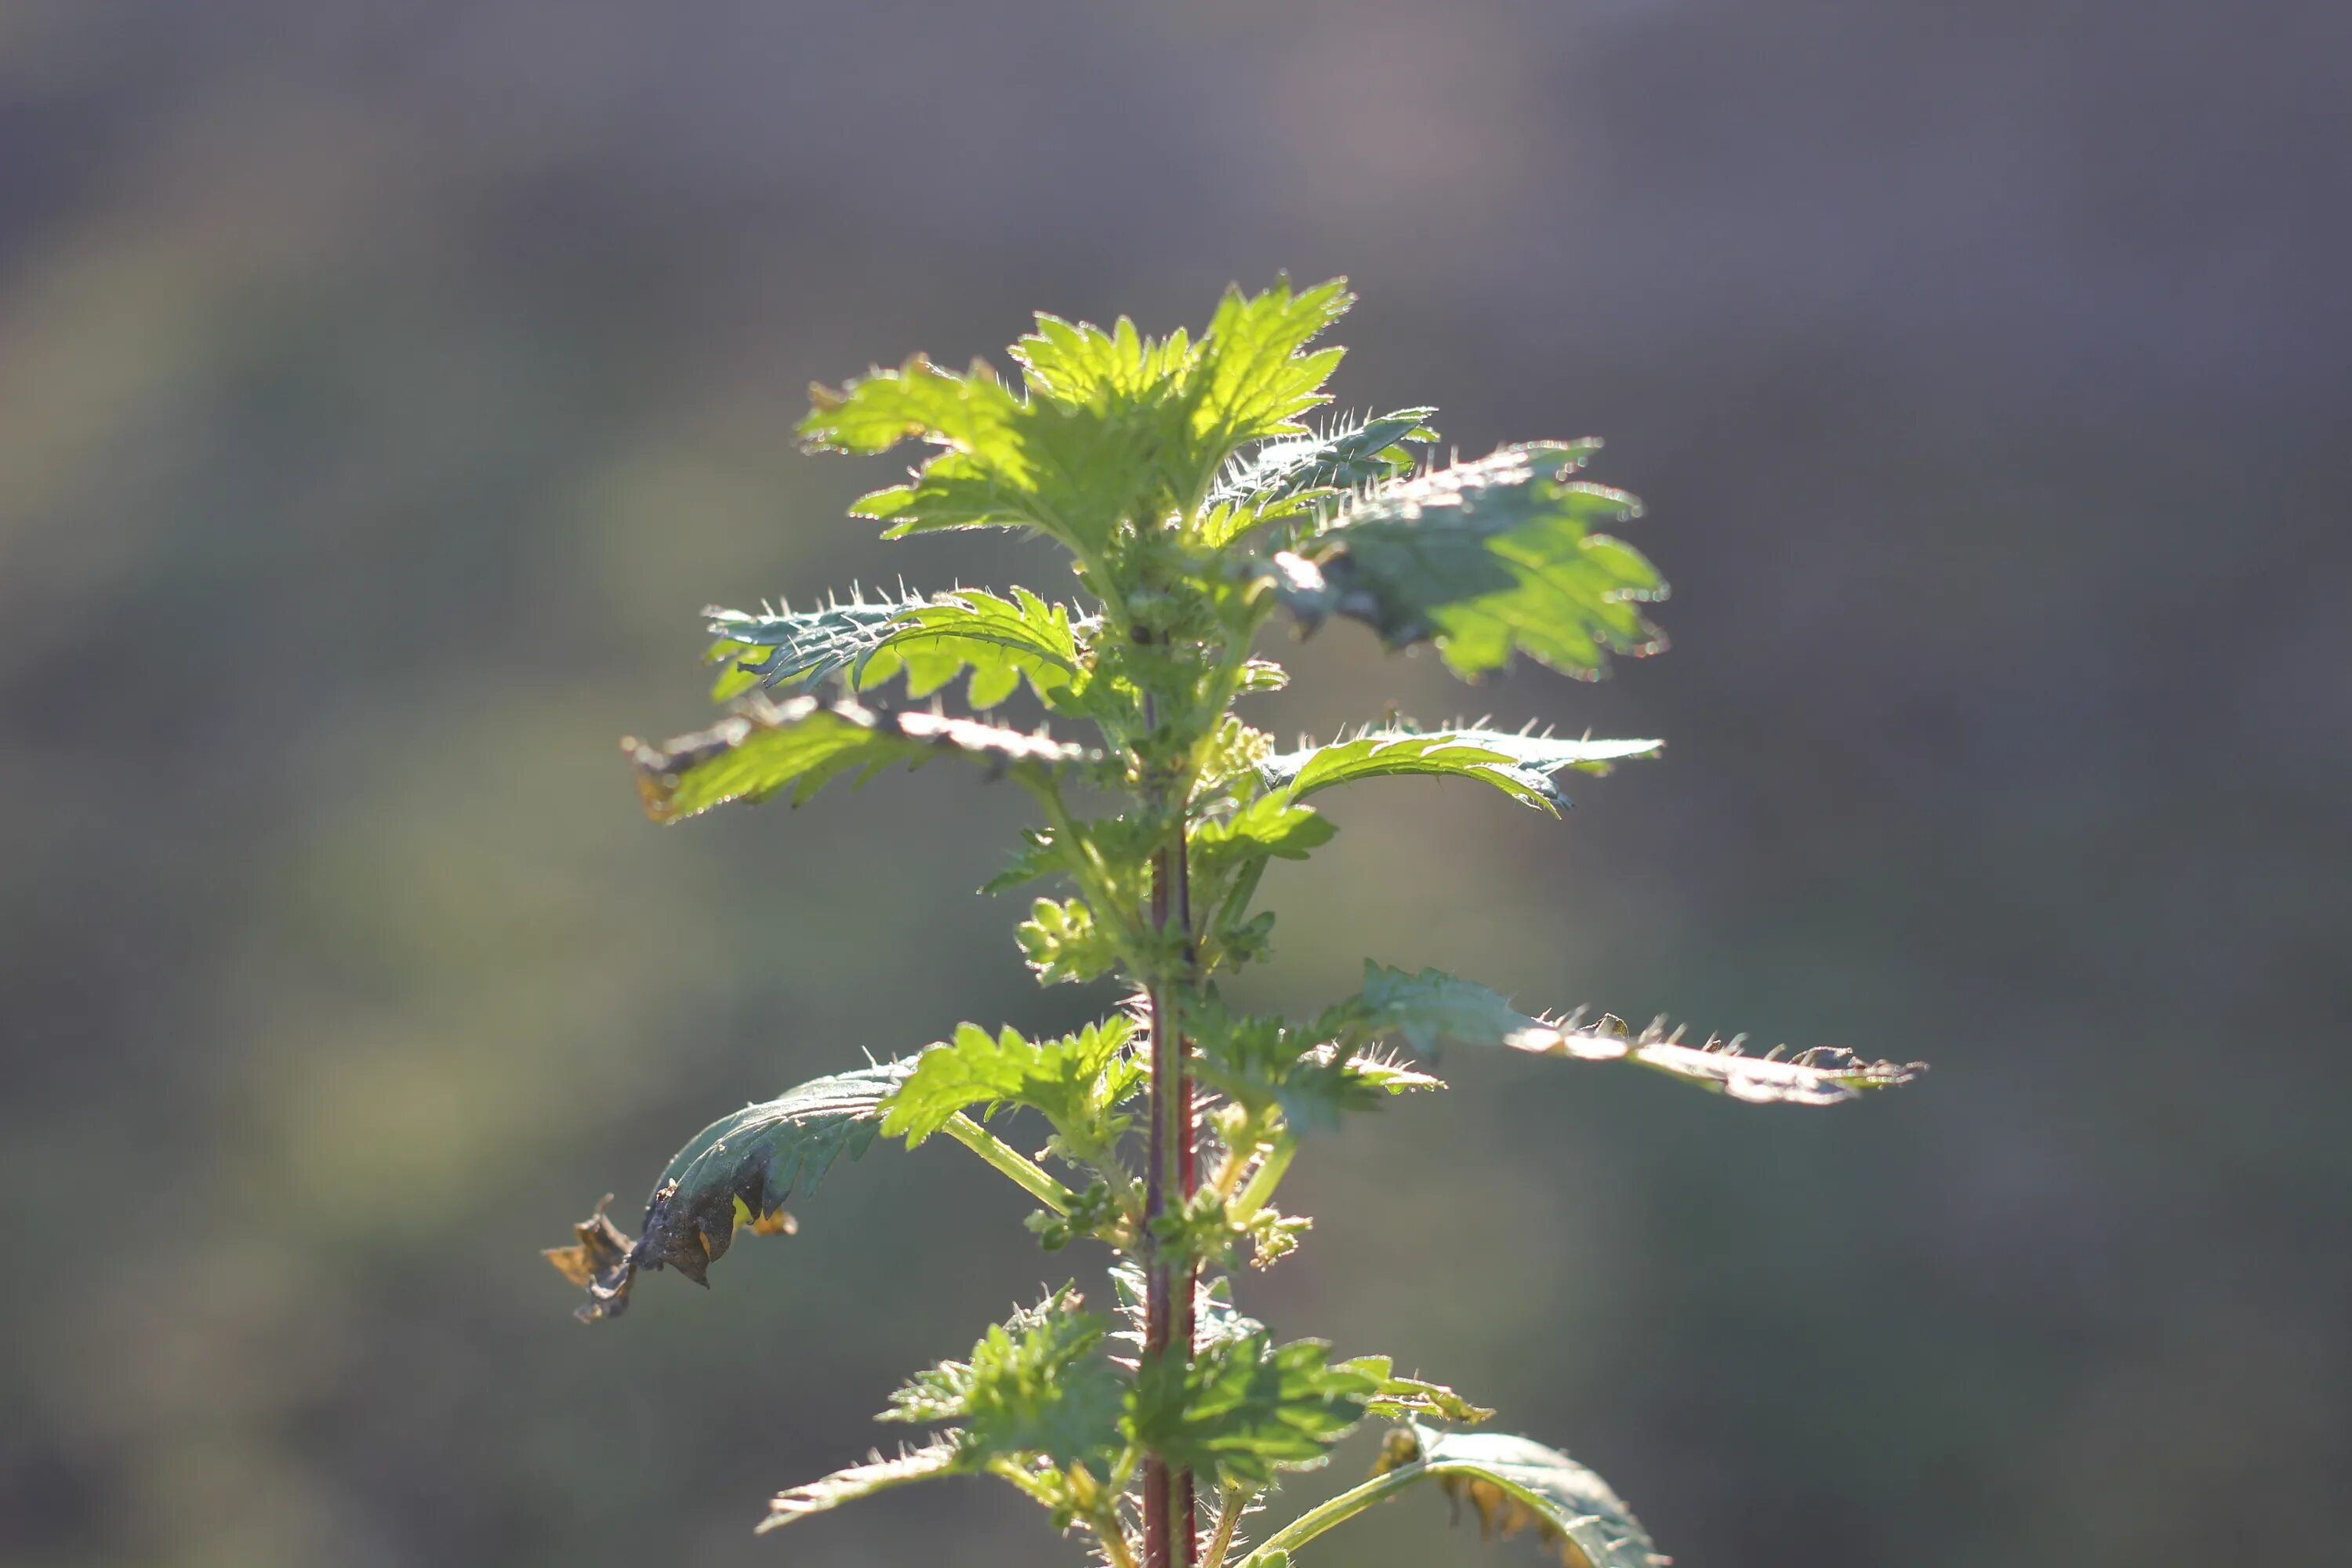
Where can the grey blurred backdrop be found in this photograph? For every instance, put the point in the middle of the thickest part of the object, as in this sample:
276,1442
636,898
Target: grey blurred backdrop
385,386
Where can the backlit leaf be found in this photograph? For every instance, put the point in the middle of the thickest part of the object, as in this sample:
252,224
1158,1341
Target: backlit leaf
877,1475
931,640
1113,428
1244,1409
800,744
1433,1009
1486,559
1522,765
1513,1485
1034,1384
1073,1082
1402,1398
1269,827
1351,454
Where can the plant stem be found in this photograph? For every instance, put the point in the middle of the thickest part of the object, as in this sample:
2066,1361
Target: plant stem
1338,1511
1230,1503
1025,1174
1168,1537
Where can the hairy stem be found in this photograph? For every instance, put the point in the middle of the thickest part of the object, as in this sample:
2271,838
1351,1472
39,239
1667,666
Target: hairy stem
1025,1174
1338,1511
1168,1537
1230,1503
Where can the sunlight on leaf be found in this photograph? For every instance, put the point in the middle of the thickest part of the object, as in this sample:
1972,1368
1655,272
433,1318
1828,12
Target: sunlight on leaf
1433,1010
1520,764
803,744
1486,559
1513,1485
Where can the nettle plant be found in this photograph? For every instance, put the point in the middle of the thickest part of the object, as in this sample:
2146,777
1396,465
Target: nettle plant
1196,507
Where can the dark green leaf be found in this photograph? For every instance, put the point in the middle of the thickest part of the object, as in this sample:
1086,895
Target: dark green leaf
1243,1410
1352,453
1520,764
802,744
739,1170
1485,559
778,647
1513,1484
1433,1009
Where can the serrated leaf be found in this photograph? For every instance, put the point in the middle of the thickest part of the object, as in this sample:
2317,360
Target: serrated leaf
1432,1009
1034,1384
1244,1410
1115,428
1350,454
1261,1062
1514,1484
931,640
784,646
1063,943
738,1171
1073,1080
1486,559
802,744
1522,765
942,1457
1255,377
1400,1398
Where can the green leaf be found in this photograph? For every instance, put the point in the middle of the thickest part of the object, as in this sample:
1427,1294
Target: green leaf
1074,1081
1513,1484
1432,1009
1521,764
1243,1410
1063,943
783,646
1486,559
1255,379
1116,427
1035,1384
931,640
1401,1398
802,743
1073,470
1262,1062
937,1459
1351,454
1270,825
738,1170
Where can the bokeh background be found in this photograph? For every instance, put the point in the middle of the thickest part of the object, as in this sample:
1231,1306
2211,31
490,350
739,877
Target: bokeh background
385,386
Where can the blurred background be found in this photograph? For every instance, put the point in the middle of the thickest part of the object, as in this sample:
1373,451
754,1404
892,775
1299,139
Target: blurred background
384,387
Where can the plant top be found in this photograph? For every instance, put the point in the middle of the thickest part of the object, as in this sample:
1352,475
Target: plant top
1149,1415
